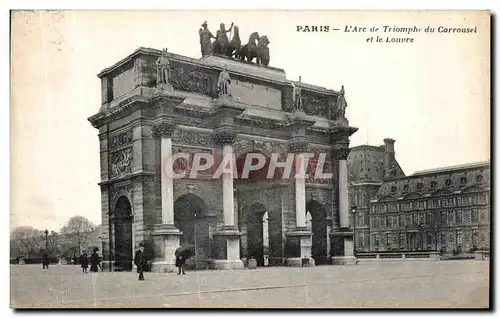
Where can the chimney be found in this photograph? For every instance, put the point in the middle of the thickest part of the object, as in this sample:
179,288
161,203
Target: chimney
389,155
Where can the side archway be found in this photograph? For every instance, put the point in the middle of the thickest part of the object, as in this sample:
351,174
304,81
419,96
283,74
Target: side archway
123,218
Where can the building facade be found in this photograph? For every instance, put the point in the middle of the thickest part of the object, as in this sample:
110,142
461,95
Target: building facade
157,104
446,209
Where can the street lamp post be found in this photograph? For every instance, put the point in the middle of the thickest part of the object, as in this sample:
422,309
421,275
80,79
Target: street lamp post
46,241
353,211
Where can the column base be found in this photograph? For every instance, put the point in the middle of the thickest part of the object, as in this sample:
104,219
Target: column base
171,242
229,253
298,262
344,260
300,244
224,264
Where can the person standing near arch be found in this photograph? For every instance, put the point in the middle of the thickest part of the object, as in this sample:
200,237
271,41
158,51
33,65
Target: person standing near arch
140,261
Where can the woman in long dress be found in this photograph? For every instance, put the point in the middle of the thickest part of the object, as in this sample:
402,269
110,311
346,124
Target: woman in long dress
84,260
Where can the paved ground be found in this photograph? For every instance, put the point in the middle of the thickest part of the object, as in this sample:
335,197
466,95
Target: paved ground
398,284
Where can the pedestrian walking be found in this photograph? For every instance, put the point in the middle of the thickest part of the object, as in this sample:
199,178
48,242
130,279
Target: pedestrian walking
45,261
140,261
84,260
94,261
182,254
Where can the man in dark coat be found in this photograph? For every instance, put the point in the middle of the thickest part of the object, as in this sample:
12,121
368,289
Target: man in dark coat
181,256
94,261
140,261
45,261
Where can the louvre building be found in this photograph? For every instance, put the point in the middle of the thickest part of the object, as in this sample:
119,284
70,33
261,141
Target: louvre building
445,209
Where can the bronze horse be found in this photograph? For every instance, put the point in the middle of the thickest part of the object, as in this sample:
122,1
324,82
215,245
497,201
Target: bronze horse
249,50
257,48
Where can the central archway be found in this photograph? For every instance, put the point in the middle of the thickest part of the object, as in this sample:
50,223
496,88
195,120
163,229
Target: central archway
123,234
190,218
318,225
258,233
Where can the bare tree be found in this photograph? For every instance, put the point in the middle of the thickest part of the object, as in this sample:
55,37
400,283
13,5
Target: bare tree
28,237
79,228
53,242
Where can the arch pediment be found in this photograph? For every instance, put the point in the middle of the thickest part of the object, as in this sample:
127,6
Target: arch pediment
413,195
473,188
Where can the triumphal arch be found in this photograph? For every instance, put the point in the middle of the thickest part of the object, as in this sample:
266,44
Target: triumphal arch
168,123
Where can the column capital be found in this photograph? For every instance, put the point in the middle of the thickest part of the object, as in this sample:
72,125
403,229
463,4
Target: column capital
164,129
297,147
224,137
340,154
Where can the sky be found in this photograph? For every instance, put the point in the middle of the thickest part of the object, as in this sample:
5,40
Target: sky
431,96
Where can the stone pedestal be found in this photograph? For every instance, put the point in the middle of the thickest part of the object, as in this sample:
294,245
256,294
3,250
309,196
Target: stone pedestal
164,89
299,242
228,239
349,258
170,239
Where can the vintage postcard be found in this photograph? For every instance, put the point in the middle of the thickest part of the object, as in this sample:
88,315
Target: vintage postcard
250,159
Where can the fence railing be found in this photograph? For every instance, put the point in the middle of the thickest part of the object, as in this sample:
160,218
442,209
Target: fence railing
394,256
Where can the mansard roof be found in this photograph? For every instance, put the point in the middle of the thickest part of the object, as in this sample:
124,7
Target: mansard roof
435,182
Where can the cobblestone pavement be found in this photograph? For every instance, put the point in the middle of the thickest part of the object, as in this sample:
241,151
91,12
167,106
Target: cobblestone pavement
381,285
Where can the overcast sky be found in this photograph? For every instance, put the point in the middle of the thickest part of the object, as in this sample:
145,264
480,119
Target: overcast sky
431,96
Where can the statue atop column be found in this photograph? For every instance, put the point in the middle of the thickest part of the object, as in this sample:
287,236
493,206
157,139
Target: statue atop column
162,68
224,82
205,40
297,96
341,104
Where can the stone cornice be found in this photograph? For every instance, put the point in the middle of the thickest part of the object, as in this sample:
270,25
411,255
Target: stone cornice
136,177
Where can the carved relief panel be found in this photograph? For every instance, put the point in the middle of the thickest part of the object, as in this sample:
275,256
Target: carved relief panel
192,79
120,154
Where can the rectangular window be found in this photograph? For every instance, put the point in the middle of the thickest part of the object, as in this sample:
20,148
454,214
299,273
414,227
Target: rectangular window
415,219
475,238
458,234
451,217
474,216
408,220
443,238
401,220
481,199
402,241
458,216
443,217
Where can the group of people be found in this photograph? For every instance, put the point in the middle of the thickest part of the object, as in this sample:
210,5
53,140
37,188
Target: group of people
95,262
182,254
